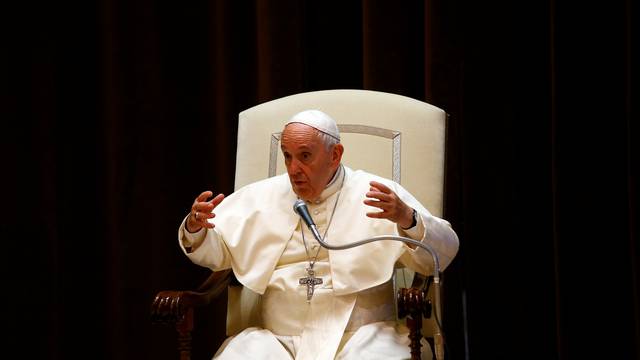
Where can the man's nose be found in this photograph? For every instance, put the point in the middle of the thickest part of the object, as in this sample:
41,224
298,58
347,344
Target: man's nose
294,166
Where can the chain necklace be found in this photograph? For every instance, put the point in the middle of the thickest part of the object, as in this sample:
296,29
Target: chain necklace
310,280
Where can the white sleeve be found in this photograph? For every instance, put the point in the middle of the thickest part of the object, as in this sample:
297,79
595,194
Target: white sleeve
204,247
440,237
437,233
416,232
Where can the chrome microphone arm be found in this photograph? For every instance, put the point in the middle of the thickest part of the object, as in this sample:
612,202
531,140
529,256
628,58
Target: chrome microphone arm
429,249
438,340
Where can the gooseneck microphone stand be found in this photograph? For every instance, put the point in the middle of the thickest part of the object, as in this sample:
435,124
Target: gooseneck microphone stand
300,207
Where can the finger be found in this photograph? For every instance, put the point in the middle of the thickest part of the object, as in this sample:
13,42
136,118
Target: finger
205,220
208,206
202,207
204,196
378,215
217,200
201,219
375,203
203,216
380,186
379,195
206,224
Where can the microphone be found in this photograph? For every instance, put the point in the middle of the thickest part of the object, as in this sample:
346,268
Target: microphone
300,207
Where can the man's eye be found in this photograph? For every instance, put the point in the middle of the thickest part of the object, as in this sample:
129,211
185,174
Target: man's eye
306,156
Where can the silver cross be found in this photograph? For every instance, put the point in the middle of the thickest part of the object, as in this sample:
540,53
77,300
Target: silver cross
311,281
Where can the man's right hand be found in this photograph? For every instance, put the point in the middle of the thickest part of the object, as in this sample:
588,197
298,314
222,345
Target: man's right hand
202,210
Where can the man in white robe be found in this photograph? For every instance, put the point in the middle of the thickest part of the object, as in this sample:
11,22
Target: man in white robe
316,303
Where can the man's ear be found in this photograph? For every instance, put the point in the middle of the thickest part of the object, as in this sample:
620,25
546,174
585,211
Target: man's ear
336,153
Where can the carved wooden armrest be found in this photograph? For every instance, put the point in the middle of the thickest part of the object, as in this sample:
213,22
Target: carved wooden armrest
176,307
414,304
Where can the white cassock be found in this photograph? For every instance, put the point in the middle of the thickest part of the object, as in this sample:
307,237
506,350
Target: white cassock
351,314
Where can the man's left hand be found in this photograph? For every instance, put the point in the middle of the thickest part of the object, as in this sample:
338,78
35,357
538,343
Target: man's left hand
393,208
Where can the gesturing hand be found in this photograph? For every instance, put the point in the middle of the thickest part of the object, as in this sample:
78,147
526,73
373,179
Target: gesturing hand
202,210
393,208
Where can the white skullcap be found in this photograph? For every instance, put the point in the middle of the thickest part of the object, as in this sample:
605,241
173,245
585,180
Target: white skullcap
318,120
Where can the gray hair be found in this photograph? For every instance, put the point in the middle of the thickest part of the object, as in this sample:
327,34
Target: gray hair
328,140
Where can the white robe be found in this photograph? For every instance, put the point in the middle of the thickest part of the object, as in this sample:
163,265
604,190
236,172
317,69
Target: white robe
258,235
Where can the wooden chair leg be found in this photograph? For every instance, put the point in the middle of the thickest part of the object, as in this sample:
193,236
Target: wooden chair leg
184,328
415,335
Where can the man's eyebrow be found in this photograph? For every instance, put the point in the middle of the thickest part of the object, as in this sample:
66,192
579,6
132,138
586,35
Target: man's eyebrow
301,148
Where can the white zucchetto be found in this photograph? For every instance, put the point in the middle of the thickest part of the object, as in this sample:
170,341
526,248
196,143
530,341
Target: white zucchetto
318,120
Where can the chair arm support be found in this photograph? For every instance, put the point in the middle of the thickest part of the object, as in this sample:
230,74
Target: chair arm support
170,306
414,304
176,307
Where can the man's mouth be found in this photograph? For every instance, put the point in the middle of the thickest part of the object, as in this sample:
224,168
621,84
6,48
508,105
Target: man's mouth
298,182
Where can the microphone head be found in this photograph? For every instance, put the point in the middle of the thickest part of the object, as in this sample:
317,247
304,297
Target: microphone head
297,204
300,207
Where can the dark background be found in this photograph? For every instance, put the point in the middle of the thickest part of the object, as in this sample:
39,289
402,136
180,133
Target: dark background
116,113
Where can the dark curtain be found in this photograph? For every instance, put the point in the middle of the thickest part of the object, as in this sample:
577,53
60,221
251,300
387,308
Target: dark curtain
116,114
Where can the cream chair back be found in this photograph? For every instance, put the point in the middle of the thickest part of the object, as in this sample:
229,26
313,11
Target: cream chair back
386,134
390,135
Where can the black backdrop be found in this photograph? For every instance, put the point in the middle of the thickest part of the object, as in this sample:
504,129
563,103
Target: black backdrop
117,113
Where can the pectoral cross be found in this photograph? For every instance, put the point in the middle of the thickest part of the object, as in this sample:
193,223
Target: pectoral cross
311,281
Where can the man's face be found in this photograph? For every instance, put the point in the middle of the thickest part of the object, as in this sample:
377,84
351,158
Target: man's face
309,164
